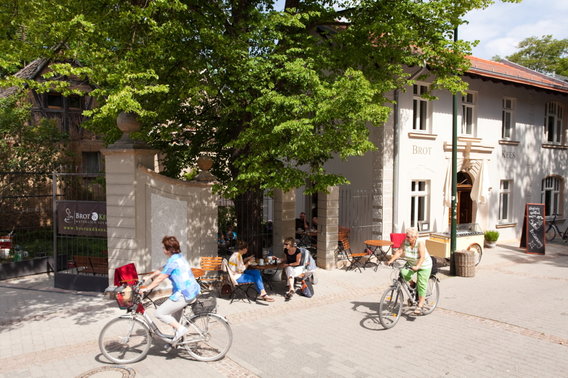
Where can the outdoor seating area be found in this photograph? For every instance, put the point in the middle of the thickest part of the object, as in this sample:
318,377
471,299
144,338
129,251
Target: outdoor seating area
373,251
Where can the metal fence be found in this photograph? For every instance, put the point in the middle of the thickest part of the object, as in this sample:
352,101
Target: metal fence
356,213
28,226
79,215
230,230
25,215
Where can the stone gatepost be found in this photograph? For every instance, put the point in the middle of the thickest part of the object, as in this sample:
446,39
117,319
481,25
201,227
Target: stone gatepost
284,223
125,231
328,223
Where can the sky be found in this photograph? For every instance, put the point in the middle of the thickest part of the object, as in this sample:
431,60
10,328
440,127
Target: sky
500,27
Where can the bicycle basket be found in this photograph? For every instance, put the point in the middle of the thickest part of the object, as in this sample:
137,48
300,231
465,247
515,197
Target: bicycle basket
124,296
204,304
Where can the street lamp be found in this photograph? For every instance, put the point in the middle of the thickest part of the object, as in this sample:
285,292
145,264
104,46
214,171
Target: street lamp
453,216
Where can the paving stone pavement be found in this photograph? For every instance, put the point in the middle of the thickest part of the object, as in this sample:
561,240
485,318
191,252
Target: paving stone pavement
511,319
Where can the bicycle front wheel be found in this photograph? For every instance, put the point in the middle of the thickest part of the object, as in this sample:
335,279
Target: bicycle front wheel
390,307
125,340
550,233
432,296
209,338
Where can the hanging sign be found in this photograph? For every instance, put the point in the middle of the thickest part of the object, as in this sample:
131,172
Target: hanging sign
84,218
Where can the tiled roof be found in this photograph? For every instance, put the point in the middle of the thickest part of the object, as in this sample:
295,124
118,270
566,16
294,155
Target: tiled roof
30,71
511,72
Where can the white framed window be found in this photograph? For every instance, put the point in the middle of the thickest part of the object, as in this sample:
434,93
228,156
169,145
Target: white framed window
505,200
419,203
508,118
420,108
553,122
551,190
468,114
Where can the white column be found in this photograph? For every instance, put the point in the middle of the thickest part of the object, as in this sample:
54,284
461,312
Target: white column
284,219
328,223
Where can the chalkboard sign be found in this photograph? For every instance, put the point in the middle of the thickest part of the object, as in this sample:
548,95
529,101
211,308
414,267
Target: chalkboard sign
532,238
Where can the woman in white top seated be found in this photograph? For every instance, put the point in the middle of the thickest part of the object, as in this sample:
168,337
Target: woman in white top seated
418,261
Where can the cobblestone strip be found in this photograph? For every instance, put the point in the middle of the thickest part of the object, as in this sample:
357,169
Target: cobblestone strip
509,327
53,354
229,368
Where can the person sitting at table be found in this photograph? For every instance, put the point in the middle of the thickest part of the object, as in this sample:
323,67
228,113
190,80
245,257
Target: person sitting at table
239,266
418,261
298,262
230,236
301,225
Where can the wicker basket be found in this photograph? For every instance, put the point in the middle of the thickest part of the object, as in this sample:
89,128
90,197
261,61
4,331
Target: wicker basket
205,303
124,296
465,263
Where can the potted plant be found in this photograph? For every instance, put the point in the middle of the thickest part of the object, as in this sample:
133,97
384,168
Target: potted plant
491,237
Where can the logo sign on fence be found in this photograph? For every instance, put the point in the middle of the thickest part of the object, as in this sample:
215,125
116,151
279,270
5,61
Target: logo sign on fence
84,218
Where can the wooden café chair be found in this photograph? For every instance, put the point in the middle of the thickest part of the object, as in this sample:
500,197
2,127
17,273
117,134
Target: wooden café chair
237,288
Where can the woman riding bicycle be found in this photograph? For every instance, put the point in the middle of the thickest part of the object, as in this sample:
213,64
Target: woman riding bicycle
184,286
417,261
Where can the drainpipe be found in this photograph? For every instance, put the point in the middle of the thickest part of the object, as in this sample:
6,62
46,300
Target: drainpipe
396,155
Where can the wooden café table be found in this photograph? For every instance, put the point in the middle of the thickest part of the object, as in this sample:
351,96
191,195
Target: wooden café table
379,249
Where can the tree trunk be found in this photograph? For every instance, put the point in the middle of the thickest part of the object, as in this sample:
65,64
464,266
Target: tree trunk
248,208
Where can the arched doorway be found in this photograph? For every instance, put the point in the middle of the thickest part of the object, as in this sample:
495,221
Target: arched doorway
465,204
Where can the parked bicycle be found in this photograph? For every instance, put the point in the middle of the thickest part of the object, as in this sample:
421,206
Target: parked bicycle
553,230
128,338
401,295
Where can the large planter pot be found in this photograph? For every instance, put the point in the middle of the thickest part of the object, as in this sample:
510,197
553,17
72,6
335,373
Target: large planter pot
490,244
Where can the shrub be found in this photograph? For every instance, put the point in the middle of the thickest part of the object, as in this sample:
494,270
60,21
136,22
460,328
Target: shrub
491,236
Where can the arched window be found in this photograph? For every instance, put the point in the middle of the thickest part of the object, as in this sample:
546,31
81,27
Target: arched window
550,193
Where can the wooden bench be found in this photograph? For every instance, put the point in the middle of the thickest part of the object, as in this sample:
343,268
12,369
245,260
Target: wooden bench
212,268
91,265
99,265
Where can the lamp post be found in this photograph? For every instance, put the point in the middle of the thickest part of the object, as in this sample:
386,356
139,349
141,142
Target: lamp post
453,218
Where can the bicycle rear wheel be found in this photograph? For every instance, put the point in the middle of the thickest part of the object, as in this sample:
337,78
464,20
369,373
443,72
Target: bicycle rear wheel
209,338
125,340
477,252
550,233
432,296
390,307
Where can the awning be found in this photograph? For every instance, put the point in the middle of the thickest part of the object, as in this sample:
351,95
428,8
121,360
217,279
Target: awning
480,188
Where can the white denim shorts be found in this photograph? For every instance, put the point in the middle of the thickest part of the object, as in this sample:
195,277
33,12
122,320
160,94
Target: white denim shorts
294,271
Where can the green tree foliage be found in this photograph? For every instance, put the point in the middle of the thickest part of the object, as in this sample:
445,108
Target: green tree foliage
544,54
265,91
28,154
25,146
271,94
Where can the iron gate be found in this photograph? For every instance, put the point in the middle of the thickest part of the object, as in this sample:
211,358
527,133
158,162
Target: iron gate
79,231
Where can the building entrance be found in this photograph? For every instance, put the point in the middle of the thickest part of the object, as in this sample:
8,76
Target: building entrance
465,204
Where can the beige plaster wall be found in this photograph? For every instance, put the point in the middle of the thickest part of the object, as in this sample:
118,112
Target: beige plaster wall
143,206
